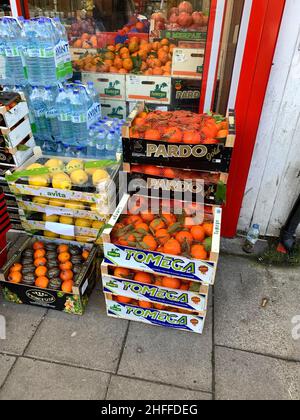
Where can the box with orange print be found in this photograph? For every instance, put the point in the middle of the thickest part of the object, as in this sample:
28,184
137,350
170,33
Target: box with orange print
155,290
164,237
197,186
45,281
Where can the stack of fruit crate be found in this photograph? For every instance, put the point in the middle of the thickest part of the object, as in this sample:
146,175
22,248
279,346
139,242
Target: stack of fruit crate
159,264
16,144
64,198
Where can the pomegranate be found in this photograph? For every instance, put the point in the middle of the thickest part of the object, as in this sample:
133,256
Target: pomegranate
205,20
185,6
173,18
197,18
174,10
185,20
160,26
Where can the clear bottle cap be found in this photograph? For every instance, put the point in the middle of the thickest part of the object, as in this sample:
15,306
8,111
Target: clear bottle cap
256,226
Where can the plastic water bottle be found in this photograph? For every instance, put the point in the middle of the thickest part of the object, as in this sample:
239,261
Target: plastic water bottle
101,144
92,92
12,43
251,239
79,113
51,113
37,100
31,52
110,145
64,118
47,38
91,146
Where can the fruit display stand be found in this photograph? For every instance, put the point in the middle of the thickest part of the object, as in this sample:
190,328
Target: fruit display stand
62,279
206,187
189,259
68,198
207,154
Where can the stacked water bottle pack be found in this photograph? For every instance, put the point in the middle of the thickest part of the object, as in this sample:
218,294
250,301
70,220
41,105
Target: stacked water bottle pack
34,51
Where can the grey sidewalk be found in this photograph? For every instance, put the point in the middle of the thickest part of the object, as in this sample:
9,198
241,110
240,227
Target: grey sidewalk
246,352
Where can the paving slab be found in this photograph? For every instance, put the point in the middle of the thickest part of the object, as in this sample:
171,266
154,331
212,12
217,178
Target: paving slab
246,376
6,362
122,388
36,380
241,321
169,356
21,324
92,340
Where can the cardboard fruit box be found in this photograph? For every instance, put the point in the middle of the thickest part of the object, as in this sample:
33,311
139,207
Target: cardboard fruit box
110,86
18,154
139,257
12,116
206,187
202,157
193,299
84,186
188,62
56,229
152,89
133,312
73,302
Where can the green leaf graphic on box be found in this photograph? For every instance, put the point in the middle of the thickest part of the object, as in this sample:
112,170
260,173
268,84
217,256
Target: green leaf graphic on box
111,90
115,113
158,91
116,308
221,193
60,294
114,253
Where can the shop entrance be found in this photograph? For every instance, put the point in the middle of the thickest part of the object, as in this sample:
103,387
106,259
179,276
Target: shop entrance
240,40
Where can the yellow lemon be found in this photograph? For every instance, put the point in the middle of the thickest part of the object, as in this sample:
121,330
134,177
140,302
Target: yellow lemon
79,177
39,180
66,220
90,171
57,202
73,165
40,200
84,239
49,234
61,181
97,224
54,165
99,175
51,218
75,205
67,238
83,222
34,166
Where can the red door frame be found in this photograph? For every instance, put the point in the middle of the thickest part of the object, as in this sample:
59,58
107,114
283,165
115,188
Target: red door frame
264,26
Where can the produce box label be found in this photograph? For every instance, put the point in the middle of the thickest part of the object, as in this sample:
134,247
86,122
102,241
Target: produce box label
109,86
186,94
155,317
184,35
152,293
155,262
114,109
210,157
154,89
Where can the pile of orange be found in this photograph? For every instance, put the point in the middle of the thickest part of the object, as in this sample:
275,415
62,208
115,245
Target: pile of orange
172,173
180,127
136,56
166,233
40,267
